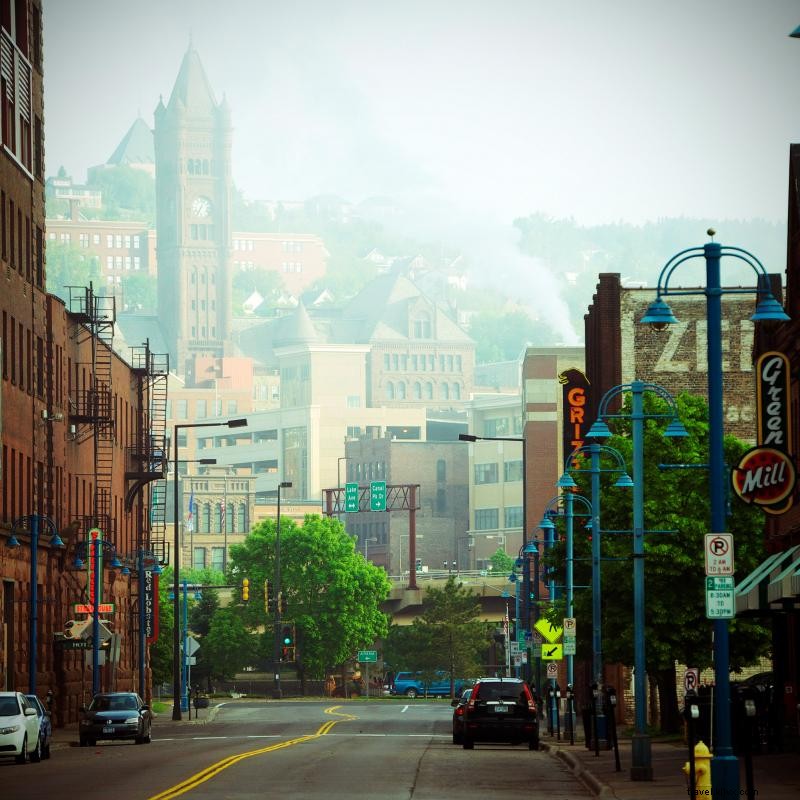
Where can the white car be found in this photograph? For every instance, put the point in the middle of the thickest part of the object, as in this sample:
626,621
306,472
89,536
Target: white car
19,728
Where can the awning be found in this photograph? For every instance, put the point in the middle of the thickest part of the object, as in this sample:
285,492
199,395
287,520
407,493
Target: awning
754,592
785,586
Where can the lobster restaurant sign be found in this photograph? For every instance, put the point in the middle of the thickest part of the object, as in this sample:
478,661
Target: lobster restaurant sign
765,475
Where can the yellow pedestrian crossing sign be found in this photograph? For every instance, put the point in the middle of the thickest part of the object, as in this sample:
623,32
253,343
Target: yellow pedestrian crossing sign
552,652
550,632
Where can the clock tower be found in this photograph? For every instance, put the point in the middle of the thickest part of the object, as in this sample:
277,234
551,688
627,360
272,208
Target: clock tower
192,141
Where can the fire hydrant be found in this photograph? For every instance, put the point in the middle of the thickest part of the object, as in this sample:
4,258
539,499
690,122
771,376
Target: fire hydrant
702,770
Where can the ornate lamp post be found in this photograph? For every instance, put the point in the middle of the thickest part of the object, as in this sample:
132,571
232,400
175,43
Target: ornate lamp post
641,759
724,765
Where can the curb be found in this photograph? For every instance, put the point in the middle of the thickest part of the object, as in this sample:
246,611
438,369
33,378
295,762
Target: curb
588,779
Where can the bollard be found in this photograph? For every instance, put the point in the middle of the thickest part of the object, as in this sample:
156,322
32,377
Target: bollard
558,711
571,713
611,717
702,770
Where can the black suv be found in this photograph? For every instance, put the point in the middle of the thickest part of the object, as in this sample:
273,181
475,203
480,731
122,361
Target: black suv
500,710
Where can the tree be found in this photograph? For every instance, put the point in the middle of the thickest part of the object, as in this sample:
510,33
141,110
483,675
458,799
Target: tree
68,265
229,645
333,595
139,292
451,631
676,628
128,193
502,563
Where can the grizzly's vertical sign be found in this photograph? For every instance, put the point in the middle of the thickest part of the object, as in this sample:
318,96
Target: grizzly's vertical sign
574,396
765,475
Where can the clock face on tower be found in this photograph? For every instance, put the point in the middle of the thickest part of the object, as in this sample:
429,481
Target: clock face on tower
201,207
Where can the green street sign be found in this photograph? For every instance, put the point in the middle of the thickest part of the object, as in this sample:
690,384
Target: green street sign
351,497
377,496
720,599
367,655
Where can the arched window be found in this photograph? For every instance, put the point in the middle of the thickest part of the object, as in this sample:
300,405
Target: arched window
241,519
230,518
456,391
390,391
428,390
417,390
401,391
205,522
445,391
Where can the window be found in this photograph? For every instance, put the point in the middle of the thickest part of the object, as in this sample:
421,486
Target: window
513,517
445,391
202,408
401,391
232,407
390,391
441,501
182,409
485,473
428,390
218,558
205,522
199,558
456,391
486,519
441,471
421,325
496,427
512,471
417,390
241,518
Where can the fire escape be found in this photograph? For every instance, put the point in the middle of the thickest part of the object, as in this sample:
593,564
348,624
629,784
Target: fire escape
92,409
147,456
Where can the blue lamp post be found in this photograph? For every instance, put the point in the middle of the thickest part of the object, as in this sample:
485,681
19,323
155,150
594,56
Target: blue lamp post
724,765
595,470
641,758
31,525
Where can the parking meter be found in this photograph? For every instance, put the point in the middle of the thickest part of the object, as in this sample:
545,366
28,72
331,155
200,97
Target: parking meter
570,695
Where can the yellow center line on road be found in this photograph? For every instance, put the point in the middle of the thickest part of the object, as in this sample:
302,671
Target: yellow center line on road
209,772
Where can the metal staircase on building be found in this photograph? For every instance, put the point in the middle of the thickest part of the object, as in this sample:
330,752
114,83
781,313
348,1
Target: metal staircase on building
147,456
92,407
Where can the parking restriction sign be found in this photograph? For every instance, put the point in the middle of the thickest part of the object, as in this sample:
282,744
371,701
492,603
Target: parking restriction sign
719,553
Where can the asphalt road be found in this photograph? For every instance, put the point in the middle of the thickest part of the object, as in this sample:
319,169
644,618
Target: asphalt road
314,750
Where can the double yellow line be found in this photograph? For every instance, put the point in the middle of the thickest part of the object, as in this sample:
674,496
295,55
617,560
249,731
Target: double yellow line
215,769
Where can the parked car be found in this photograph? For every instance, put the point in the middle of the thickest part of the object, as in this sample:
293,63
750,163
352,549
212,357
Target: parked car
501,710
411,684
115,715
19,728
45,724
459,706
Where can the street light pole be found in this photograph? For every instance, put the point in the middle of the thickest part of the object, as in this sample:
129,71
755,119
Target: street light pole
176,560
724,764
276,691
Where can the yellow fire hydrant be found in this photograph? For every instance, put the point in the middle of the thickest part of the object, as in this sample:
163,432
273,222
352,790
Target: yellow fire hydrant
702,770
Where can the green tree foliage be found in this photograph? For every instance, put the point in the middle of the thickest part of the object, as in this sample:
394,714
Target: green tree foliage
448,635
128,194
139,292
676,627
229,645
503,335
68,265
502,563
333,595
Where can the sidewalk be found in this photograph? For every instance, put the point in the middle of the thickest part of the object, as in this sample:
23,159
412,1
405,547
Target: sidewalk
776,775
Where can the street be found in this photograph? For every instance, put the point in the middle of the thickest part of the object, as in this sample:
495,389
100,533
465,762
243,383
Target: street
298,749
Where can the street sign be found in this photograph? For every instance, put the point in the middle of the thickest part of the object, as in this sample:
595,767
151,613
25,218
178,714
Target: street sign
85,608
552,669
551,633
75,644
570,628
720,602
522,637
719,553
552,652
351,497
192,645
691,679
377,496
514,648
191,661
570,648
365,656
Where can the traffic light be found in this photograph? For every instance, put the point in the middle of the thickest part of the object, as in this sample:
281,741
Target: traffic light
245,589
266,596
284,603
287,637
418,563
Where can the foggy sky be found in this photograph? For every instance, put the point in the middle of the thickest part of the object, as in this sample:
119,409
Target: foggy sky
620,110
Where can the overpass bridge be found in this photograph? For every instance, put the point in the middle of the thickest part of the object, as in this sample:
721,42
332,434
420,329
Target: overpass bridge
494,592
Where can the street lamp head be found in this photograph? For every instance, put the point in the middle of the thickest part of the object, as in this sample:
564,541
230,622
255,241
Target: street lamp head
115,562
530,547
78,563
547,524
206,460
126,570
237,423
675,430
56,540
285,485
467,437
658,315
624,481
598,430
566,482
13,542
157,569
769,308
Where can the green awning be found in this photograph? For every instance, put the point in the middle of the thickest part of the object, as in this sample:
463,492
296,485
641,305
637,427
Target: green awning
785,586
753,593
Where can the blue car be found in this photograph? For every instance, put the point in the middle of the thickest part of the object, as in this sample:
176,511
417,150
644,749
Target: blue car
45,725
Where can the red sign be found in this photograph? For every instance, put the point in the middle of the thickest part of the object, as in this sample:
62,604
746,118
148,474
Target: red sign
85,608
764,476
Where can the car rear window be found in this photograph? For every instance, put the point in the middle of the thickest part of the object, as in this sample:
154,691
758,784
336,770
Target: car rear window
510,692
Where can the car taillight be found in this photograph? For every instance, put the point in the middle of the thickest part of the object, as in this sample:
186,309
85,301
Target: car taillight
473,697
460,711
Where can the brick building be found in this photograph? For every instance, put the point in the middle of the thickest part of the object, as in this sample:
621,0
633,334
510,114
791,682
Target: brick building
69,414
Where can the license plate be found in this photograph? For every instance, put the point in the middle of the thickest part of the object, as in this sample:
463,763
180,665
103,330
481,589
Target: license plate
501,709
108,729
